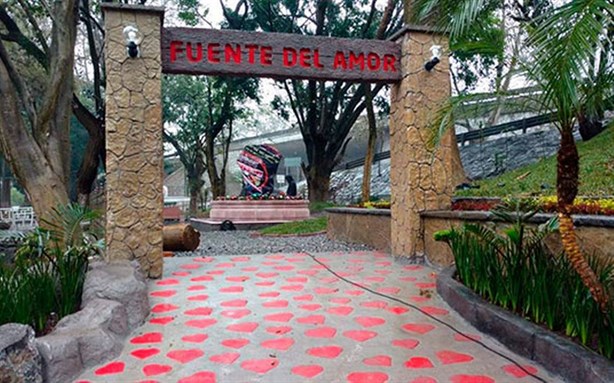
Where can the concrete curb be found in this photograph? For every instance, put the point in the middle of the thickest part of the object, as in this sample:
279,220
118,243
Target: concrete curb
558,355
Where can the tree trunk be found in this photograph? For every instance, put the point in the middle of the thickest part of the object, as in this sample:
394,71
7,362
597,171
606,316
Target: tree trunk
567,189
318,182
366,175
94,154
180,237
589,126
5,184
218,183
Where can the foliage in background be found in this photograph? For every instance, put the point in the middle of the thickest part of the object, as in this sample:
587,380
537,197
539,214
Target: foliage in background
596,173
309,226
45,282
513,268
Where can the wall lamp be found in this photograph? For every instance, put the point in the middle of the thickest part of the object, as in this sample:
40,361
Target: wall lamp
133,39
436,55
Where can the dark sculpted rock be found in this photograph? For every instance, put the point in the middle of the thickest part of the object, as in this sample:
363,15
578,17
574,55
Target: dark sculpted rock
20,361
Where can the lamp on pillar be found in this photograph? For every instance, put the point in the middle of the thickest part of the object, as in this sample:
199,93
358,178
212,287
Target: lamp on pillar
435,59
133,41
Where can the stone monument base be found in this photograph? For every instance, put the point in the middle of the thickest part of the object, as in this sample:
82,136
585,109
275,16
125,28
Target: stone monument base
250,215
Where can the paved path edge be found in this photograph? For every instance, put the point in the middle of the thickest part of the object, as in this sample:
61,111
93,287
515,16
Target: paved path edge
555,353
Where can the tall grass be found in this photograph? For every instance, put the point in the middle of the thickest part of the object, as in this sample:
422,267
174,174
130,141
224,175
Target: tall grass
514,269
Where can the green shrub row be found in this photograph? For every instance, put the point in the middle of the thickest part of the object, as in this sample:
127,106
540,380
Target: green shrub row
515,270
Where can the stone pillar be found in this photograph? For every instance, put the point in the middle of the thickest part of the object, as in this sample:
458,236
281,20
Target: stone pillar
422,176
134,149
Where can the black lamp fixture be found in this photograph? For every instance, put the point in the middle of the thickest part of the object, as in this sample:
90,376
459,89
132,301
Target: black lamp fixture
435,59
133,39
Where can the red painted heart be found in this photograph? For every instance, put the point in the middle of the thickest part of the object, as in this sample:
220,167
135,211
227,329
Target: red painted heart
418,328
451,357
267,275
311,319
185,356
237,279
260,366
517,372
200,377
156,369
419,299
435,310
360,335
280,317
265,283
201,323
355,292
341,301
306,297
471,379
310,307
296,280
325,290
424,379
196,288
198,298
425,285
388,290
398,310
370,321
167,282
278,344
308,371
418,362
232,289
202,278
466,337
243,327
225,265
144,353
292,287
270,294
234,303
235,314
279,330
161,320
284,268
226,358
203,259
235,343
406,343
196,338
329,352
150,337
111,369
321,332
201,311
163,293
191,266
240,259
374,304
367,377
163,308
340,310
278,303
380,360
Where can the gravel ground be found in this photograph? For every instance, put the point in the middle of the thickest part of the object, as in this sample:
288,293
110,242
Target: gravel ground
214,243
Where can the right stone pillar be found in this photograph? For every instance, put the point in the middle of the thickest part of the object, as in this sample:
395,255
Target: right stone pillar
422,175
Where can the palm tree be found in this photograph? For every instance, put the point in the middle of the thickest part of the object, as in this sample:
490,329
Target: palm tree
566,44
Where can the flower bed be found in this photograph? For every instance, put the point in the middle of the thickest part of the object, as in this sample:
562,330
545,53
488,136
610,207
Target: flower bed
260,197
582,205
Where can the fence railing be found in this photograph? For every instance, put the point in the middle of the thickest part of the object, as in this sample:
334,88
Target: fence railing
20,219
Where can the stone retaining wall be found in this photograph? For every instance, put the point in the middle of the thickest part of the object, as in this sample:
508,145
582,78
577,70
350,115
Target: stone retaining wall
367,226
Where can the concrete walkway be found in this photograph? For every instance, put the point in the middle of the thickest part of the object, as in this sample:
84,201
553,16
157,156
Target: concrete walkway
286,318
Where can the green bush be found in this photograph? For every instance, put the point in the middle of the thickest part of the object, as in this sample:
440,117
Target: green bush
45,281
515,270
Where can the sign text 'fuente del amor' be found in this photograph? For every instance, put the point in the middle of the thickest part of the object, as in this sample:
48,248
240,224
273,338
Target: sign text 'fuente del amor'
279,55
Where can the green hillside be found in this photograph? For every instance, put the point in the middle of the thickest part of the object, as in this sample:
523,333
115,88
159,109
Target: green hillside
596,173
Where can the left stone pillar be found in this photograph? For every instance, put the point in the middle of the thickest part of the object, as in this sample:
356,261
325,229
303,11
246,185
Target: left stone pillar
134,150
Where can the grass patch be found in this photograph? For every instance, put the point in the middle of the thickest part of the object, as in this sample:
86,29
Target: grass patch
596,174
307,226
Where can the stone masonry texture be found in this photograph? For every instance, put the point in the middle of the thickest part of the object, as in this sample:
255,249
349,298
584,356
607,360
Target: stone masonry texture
422,176
134,140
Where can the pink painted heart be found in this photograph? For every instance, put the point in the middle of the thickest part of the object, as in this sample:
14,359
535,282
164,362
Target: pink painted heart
308,272
167,282
236,314
156,369
203,259
435,310
375,279
321,332
406,343
226,358
200,377
191,266
196,288
232,289
201,323
308,371
452,357
163,293
424,379
201,311
412,267
279,330
418,328
367,377
270,294
306,297
327,280
329,352
275,256
419,299
340,310
388,290
216,272
235,343
380,360
398,310
419,362
225,265
355,293
202,278
150,337
196,338
466,337
265,283
325,290
240,259
249,269
296,280
198,298
518,372
374,304
370,321
267,275
278,303
310,307
311,319
292,287
260,366
462,378
243,327
360,335
144,353
185,356
279,317
111,369
408,279
161,320
278,344
425,285
237,279
341,301
163,308
234,303
284,268
384,264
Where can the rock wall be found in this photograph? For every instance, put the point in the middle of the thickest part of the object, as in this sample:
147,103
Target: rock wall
421,177
134,139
